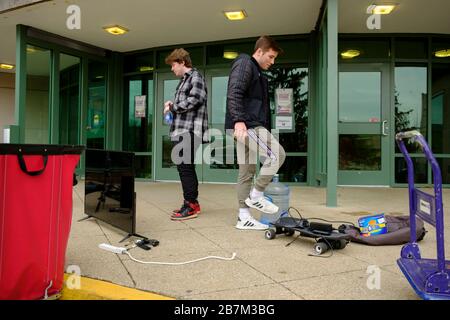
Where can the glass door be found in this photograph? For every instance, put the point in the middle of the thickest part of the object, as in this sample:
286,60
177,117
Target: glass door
219,157
96,111
364,125
138,122
69,99
165,169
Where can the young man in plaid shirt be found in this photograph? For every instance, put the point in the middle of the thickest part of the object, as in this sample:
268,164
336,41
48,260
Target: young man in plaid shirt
187,131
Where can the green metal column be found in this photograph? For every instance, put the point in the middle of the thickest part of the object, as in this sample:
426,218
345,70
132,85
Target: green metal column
332,102
54,98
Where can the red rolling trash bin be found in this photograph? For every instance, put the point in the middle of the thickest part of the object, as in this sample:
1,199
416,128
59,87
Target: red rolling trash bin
35,218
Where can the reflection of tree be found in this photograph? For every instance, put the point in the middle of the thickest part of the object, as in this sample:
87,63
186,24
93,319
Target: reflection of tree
293,78
402,121
359,152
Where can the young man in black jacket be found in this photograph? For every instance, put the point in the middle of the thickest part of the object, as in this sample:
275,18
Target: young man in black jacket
248,116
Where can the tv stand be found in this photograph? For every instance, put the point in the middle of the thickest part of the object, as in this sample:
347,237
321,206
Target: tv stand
133,235
85,218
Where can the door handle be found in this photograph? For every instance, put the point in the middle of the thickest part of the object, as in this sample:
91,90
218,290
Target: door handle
384,128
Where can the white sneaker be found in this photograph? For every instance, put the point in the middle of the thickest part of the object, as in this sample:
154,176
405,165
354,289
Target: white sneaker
262,204
251,224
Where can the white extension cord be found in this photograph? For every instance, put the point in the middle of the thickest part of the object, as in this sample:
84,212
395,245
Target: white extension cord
122,250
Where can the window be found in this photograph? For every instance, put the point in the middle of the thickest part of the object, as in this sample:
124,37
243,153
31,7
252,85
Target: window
37,95
294,143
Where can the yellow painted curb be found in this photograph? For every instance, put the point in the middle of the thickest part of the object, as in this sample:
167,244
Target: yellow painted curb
91,289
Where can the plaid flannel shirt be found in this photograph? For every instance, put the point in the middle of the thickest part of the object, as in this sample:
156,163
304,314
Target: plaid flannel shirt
189,108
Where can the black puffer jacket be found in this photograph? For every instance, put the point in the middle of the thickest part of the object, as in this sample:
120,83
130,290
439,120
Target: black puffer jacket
247,97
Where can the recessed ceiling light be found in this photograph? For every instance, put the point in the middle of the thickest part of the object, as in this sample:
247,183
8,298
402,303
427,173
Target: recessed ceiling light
349,54
382,9
116,30
235,15
442,53
228,54
6,66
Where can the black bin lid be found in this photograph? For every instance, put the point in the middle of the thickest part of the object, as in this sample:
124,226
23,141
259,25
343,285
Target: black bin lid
40,149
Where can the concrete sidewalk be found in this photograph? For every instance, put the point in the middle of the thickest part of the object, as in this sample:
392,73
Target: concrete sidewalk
262,269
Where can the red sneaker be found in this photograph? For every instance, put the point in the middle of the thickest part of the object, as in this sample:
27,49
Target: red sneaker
188,211
196,204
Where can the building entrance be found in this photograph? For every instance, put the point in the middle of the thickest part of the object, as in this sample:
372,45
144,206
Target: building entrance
364,125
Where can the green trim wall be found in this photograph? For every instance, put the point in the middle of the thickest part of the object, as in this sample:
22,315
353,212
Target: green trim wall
114,87
321,59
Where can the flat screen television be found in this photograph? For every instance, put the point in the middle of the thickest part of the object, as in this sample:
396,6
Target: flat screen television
109,188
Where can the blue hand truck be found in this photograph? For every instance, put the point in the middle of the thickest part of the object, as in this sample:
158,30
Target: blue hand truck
430,278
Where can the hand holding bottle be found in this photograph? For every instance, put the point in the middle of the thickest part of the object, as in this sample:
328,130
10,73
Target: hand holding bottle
168,116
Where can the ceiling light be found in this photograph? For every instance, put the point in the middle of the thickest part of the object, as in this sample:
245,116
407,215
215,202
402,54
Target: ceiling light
382,9
145,68
230,54
442,53
116,30
235,15
350,54
6,66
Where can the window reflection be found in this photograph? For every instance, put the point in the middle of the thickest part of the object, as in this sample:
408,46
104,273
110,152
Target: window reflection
96,115
411,102
359,152
143,166
138,122
377,48
294,169
69,99
169,90
216,53
411,48
167,145
219,99
223,154
297,79
360,96
138,127
410,98
37,95
440,112
420,170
